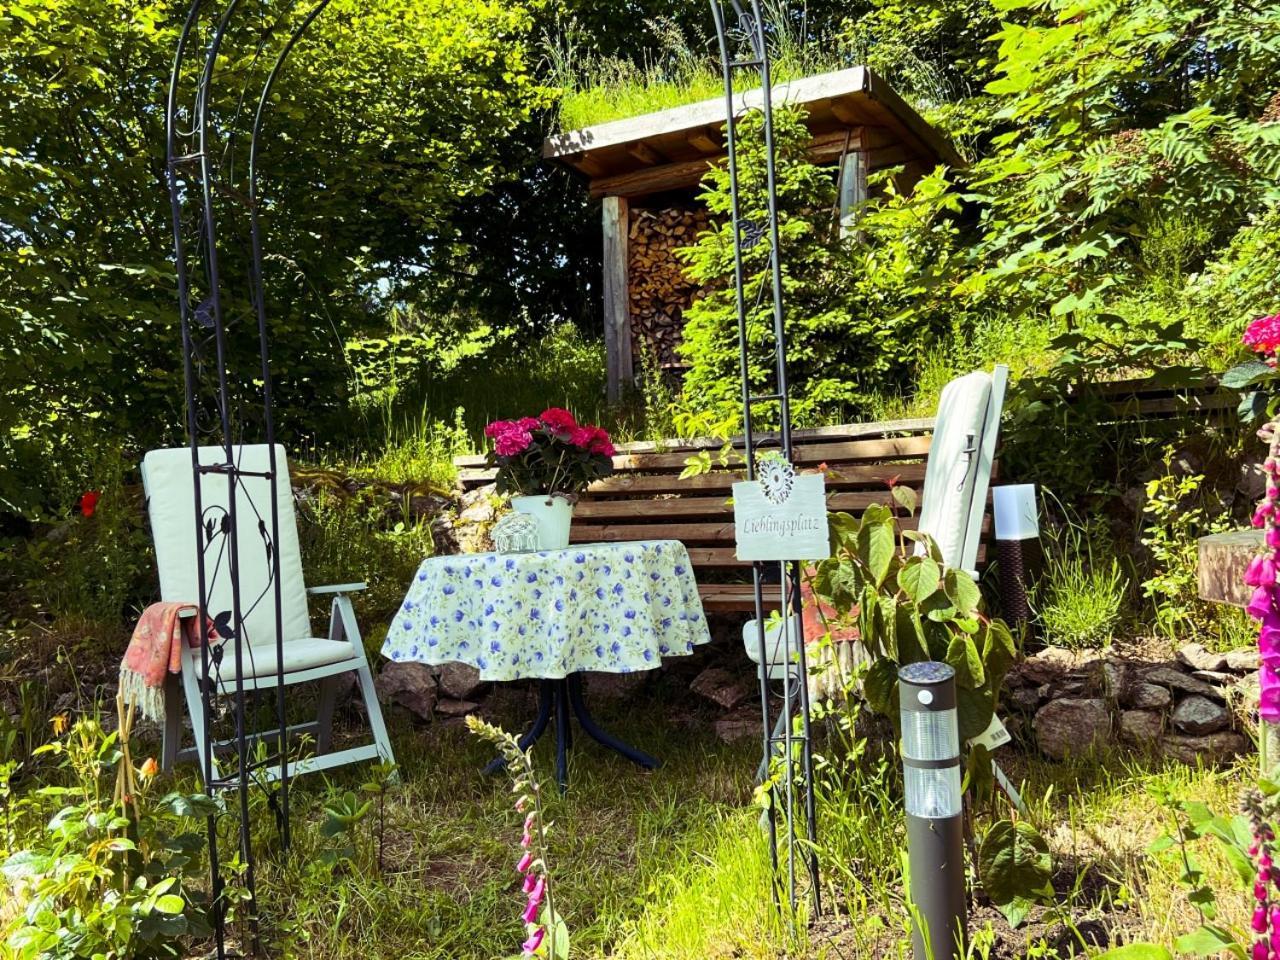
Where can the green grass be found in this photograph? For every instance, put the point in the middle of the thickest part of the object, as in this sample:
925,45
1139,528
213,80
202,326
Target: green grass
677,70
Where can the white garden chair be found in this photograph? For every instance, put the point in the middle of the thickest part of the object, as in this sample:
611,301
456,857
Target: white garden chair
957,477
167,481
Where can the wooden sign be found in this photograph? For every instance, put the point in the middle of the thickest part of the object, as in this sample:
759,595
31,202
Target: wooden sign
781,515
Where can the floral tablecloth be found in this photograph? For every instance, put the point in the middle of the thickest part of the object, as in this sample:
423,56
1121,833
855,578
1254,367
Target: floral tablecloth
612,607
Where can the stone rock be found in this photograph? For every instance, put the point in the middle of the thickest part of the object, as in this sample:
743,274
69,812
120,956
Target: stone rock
1048,665
1213,748
613,686
1253,481
477,511
411,685
729,729
1141,726
1024,699
1195,656
1199,715
460,681
1115,679
720,686
1218,678
1149,696
1243,660
456,708
1071,727
1175,679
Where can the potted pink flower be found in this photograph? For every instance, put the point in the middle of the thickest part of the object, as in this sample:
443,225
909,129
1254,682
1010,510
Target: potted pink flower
545,462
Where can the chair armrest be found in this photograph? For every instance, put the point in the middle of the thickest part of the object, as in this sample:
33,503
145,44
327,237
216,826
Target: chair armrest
338,588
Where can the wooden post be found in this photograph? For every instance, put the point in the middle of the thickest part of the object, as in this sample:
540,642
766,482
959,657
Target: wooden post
617,314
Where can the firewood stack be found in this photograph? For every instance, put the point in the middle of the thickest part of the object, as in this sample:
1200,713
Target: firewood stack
658,288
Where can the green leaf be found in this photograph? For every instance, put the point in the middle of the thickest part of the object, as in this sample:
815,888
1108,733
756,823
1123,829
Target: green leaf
964,593
1208,940
1246,374
1016,910
974,710
875,544
963,656
1136,951
906,498
1013,861
918,578
170,903
880,687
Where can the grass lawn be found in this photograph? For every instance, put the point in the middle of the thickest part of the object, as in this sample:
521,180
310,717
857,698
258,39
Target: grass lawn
672,864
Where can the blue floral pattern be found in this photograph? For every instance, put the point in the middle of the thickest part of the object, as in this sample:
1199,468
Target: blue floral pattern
611,607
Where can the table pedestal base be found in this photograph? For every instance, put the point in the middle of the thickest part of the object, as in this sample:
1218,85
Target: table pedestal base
558,697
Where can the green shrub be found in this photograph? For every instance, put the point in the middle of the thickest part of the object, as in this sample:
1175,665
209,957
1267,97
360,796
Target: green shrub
1079,604
364,537
97,876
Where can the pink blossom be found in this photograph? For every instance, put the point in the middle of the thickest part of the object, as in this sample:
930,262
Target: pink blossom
530,946
559,420
1260,920
1261,572
1260,603
525,862
1273,538
528,423
530,911
513,441
530,881
1263,334
1260,950
497,427
539,888
526,840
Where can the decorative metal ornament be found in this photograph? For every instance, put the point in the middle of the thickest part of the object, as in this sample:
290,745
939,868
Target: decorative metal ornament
204,194
742,33
515,533
777,478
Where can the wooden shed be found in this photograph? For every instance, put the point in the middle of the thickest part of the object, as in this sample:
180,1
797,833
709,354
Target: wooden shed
646,171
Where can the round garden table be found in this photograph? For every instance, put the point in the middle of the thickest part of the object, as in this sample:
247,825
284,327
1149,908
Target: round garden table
551,615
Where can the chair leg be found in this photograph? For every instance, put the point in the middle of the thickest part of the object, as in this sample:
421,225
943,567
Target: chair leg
191,689
329,688
345,615
172,741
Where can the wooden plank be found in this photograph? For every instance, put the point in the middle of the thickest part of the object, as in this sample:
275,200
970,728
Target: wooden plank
645,153
864,475
704,113
682,508
617,313
683,174
736,597
685,532
706,139
828,434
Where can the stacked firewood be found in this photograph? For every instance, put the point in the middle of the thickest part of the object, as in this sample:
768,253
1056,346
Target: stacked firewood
659,289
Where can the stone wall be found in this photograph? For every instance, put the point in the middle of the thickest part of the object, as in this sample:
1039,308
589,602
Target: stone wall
1195,706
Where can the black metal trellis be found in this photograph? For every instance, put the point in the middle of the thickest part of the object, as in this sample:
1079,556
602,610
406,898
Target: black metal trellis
743,43
200,155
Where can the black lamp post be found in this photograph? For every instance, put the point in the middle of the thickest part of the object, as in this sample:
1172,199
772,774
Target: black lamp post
935,841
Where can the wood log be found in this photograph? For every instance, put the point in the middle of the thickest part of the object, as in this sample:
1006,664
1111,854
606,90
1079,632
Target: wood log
659,291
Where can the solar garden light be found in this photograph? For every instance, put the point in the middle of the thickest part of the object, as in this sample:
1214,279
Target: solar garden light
1017,547
935,841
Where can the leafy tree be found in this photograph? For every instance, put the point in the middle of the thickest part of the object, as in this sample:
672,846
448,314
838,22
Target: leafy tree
389,120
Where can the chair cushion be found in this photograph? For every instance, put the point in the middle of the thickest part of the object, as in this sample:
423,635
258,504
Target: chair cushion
259,660
167,480
953,460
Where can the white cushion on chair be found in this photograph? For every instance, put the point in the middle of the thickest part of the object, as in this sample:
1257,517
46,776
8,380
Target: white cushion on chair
953,459
260,660
167,480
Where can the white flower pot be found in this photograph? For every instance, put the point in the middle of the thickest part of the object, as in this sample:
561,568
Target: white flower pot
554,514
